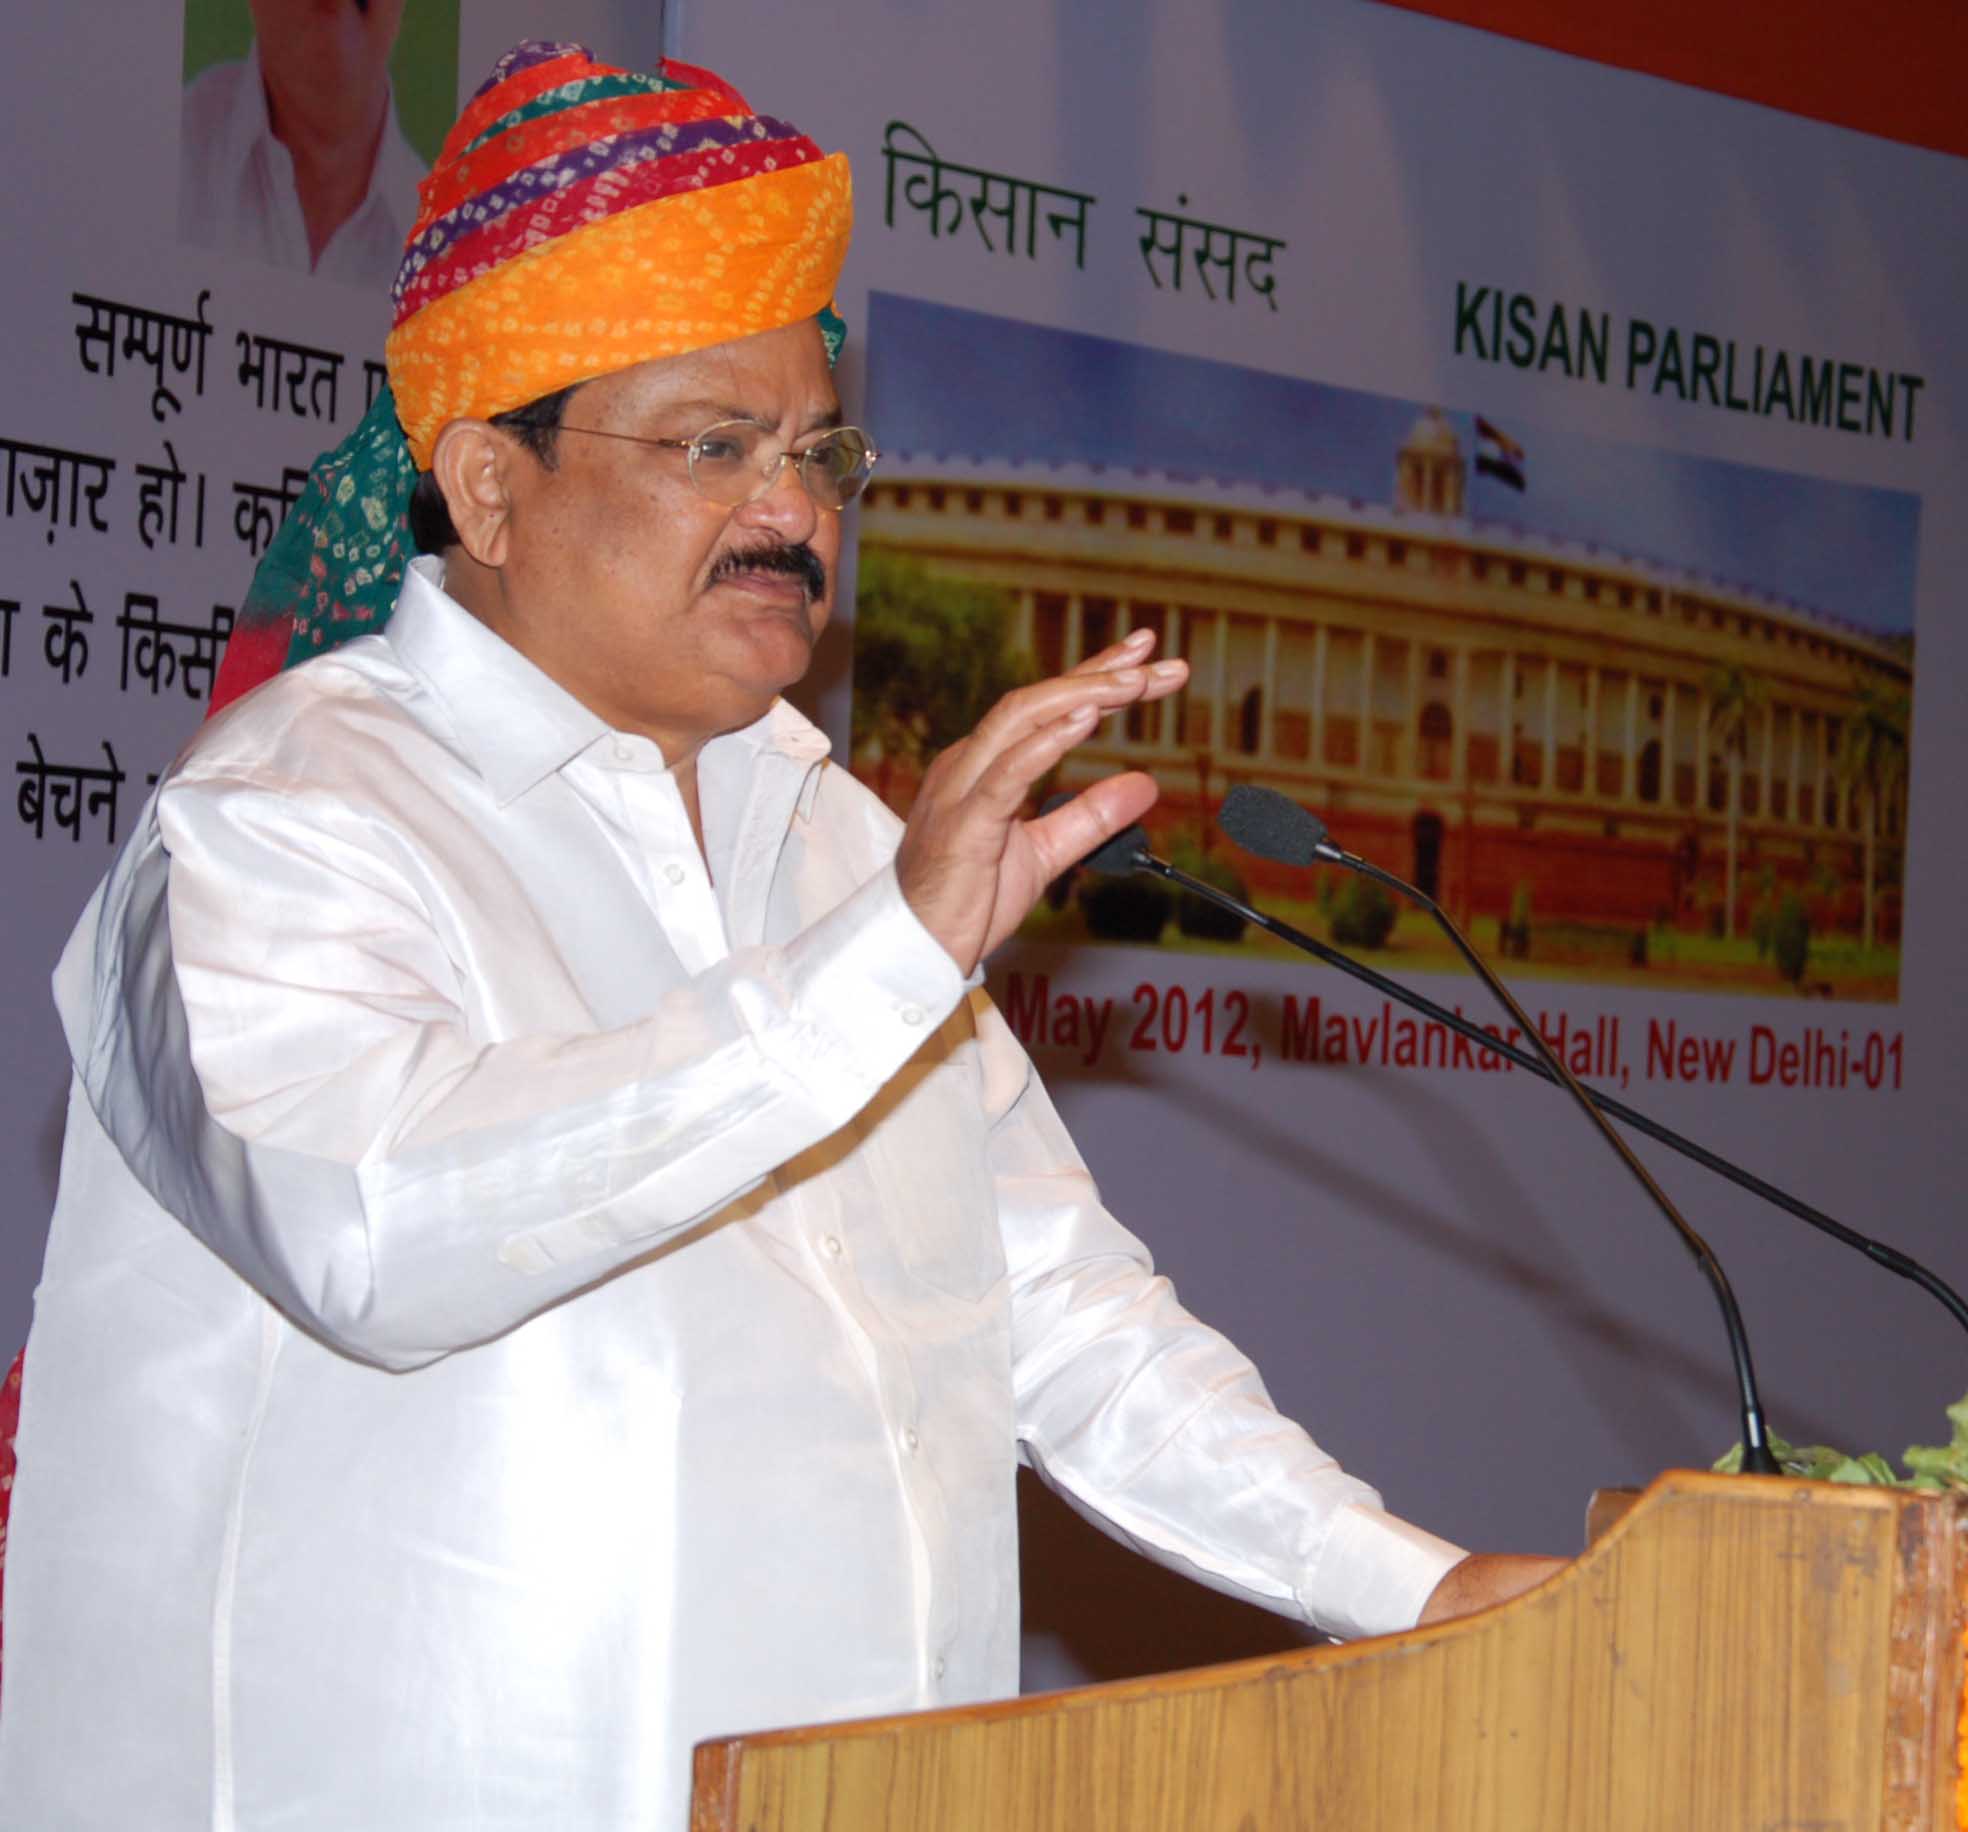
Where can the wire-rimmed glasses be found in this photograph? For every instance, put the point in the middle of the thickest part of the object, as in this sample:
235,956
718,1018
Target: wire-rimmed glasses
736,461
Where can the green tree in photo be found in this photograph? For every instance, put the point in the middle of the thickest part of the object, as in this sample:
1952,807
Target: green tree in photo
930,659
1365,916
1790,938
1872,765
1734,697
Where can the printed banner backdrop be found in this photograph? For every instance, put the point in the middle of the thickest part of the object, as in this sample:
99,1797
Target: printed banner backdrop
172,365
1376,222
1544,470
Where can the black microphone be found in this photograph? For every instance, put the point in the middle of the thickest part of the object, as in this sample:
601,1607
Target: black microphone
1262,814
1124,853
1275,827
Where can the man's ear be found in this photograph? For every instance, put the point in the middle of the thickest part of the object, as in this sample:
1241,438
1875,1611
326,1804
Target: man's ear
471,462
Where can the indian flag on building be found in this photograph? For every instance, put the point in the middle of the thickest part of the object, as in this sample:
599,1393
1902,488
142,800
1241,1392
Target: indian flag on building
1498,455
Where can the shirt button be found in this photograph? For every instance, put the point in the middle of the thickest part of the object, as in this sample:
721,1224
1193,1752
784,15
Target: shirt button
624,751
912,1014
675,873
833,1245
942,1666
910,1442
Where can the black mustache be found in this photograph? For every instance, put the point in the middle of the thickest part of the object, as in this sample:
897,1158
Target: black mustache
798,560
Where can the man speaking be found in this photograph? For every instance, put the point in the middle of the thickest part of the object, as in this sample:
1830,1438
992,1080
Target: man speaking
556,1258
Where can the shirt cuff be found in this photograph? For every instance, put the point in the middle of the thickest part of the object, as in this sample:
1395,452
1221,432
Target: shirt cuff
870,989
1375,1573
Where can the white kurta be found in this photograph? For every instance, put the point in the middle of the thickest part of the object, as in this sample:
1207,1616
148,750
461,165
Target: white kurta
666,1270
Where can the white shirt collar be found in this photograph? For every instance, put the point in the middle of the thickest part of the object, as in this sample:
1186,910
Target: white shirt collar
248,126
394,179
515,723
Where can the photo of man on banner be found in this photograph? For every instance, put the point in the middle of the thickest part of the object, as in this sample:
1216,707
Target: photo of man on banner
307,126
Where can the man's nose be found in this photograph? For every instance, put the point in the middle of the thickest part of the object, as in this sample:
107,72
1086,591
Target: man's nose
784,505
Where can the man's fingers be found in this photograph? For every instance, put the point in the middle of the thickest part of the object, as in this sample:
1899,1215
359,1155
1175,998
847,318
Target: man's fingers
1029,708
1090,819
1130,651
1001,786
1029,711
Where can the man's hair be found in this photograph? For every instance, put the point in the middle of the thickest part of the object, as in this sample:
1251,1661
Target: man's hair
536,426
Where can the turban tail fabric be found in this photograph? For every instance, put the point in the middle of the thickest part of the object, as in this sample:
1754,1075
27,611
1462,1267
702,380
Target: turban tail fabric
579,220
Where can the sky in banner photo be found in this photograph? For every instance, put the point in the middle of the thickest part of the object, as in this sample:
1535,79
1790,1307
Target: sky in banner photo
1047,396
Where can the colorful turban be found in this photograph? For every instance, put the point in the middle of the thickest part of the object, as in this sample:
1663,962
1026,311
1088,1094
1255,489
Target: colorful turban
580,219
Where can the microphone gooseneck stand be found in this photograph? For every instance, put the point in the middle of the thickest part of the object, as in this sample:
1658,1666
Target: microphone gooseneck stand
1757,1458
1277,828
1128,851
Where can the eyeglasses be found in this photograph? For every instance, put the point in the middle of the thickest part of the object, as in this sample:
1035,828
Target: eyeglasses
736,461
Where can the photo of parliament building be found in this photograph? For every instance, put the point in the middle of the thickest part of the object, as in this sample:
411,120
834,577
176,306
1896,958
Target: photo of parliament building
1486,710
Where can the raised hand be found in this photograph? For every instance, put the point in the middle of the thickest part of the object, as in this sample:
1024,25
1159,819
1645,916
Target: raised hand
969,865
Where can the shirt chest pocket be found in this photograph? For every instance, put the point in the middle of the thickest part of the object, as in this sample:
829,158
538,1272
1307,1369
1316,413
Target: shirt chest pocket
933,1144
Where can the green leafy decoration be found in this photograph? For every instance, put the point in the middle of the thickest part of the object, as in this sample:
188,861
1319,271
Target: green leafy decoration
1934,1467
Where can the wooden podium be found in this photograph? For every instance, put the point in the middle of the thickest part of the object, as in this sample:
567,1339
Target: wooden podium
1737,1653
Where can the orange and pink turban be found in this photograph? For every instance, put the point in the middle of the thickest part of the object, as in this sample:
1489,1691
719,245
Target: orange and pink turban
580,219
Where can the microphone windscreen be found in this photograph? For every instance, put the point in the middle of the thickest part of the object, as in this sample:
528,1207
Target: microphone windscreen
1271,825
1120,854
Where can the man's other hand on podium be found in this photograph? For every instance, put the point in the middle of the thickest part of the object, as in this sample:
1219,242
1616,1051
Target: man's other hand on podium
1484,1578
